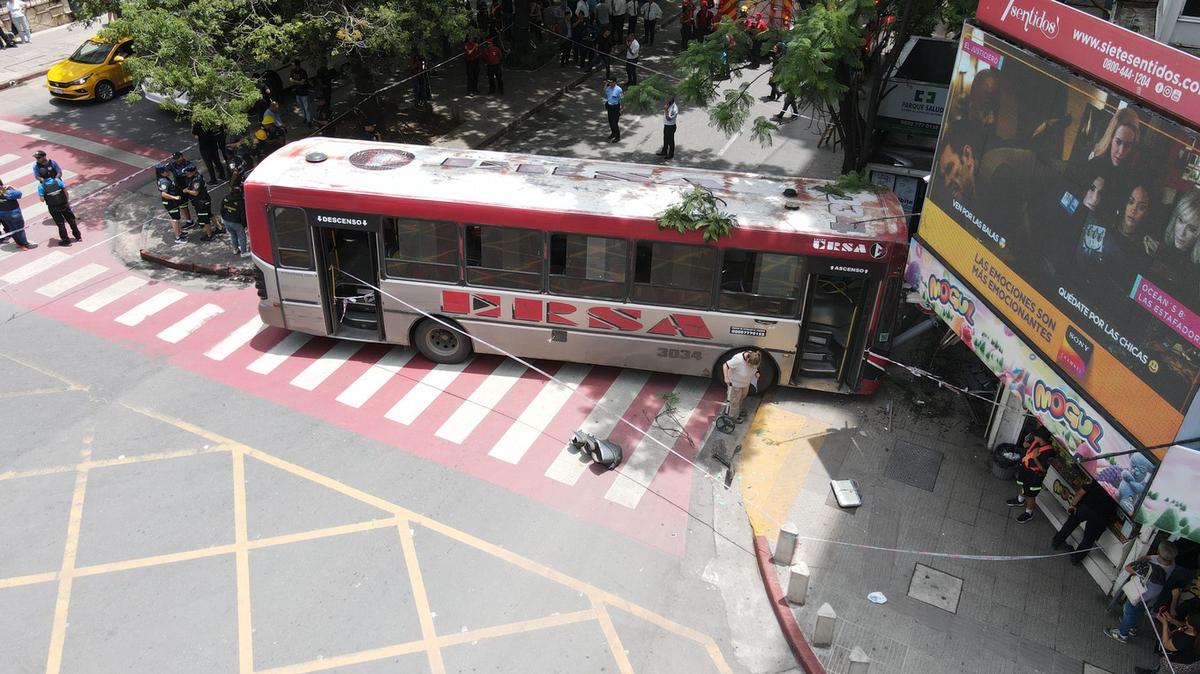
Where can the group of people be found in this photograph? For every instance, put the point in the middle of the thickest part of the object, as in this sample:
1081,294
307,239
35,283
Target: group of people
18,22
185,197
53,192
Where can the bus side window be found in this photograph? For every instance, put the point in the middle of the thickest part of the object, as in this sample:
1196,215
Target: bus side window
761,283
425,250
588,266
291,237
674,274
503,257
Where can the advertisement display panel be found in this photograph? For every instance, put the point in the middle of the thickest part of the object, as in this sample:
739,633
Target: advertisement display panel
1075,215
1157,73
1172,501
1082,429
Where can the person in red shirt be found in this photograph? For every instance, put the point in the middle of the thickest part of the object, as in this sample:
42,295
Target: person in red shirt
493,57
1031,472
472,51
687,23
704,20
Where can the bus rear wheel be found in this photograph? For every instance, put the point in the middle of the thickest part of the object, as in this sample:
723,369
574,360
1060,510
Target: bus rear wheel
441,344
768,371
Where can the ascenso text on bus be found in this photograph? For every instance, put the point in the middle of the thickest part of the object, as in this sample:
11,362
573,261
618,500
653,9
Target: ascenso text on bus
561,313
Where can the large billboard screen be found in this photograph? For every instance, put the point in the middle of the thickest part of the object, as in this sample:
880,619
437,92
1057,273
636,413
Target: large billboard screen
1075,214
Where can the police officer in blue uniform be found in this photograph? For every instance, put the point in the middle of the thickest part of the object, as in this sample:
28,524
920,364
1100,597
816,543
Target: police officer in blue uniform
172,199
197,194
45,168
11,218
58,203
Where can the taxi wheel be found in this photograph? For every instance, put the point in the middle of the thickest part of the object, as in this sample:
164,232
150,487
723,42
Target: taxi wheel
105,91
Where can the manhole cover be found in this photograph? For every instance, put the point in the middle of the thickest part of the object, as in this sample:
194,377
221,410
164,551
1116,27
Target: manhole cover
914,465
936,588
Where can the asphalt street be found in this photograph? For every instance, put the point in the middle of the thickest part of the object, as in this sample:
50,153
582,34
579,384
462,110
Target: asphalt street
167,510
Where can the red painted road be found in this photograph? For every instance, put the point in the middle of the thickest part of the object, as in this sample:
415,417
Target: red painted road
86,287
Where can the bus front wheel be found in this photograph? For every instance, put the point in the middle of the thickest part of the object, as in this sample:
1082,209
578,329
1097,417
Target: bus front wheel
768,371
440,343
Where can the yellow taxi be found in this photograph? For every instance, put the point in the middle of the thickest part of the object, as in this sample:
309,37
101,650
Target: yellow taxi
95,71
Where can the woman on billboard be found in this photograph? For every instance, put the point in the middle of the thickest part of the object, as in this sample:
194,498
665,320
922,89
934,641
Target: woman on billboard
1177,254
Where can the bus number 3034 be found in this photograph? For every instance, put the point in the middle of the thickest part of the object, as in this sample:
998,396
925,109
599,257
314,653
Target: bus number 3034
679,353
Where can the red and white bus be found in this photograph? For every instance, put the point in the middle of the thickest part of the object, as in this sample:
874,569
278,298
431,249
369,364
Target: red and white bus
560,258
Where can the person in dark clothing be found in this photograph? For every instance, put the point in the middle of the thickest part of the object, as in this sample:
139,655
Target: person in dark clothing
472,53
10,216
172,199
1031,473
324,83
302,90
588,46
323,118
197,194
604,47
493,57
1093,507
419,67
233,217
368,131
58,203
211,144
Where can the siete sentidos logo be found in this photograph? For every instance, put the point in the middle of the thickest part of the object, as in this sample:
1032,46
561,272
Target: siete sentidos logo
1031,18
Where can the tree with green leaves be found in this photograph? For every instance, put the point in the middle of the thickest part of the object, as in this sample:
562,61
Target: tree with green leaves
214,51
838,54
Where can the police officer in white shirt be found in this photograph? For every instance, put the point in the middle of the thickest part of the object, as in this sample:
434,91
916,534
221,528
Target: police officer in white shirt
632,51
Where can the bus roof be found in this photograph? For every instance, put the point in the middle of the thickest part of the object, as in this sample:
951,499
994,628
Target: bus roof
565,184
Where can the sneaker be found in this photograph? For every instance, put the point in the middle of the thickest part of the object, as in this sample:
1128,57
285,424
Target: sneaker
28,246
79,238
1115,634
1014,502
64,243
1024,517
246,254
182,238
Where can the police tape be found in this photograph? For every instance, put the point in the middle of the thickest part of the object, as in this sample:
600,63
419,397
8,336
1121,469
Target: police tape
945,555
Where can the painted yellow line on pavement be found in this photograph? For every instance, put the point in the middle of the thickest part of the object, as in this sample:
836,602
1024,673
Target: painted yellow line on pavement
777,454
613,639
242,562
58,629
71,384
31,579
104,463
420,598
35,392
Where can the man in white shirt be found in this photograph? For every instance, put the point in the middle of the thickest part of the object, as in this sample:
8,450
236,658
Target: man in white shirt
633,50
741,371
670,120
16,10
616,17
651,12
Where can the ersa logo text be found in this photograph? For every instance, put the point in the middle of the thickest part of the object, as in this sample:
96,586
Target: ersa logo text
875,250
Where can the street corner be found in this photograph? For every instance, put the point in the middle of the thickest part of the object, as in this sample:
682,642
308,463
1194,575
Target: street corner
778,451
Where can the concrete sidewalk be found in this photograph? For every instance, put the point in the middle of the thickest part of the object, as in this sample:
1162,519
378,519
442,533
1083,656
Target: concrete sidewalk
30,61
1041,615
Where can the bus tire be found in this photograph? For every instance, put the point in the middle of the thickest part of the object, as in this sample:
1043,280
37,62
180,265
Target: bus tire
768,371
441,344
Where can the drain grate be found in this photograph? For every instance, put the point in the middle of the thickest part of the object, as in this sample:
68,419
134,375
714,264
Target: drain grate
914,465
936,588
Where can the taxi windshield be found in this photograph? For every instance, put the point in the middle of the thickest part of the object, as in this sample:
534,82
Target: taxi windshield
92,53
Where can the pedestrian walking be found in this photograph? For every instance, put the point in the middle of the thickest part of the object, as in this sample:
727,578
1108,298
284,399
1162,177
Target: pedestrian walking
612,105
604,47
1152,572
1092,507
687,24
233,217
579,23
472,53
789,101
670,117
651,12
302,90
493,58
172,199
1031,472
197,193
58,203
11,218
44,167
741,372
20,22
632,51
588,46
776,55
211,144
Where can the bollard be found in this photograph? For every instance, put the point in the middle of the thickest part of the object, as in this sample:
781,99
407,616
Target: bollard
860,662
797,588
785,547
826,620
